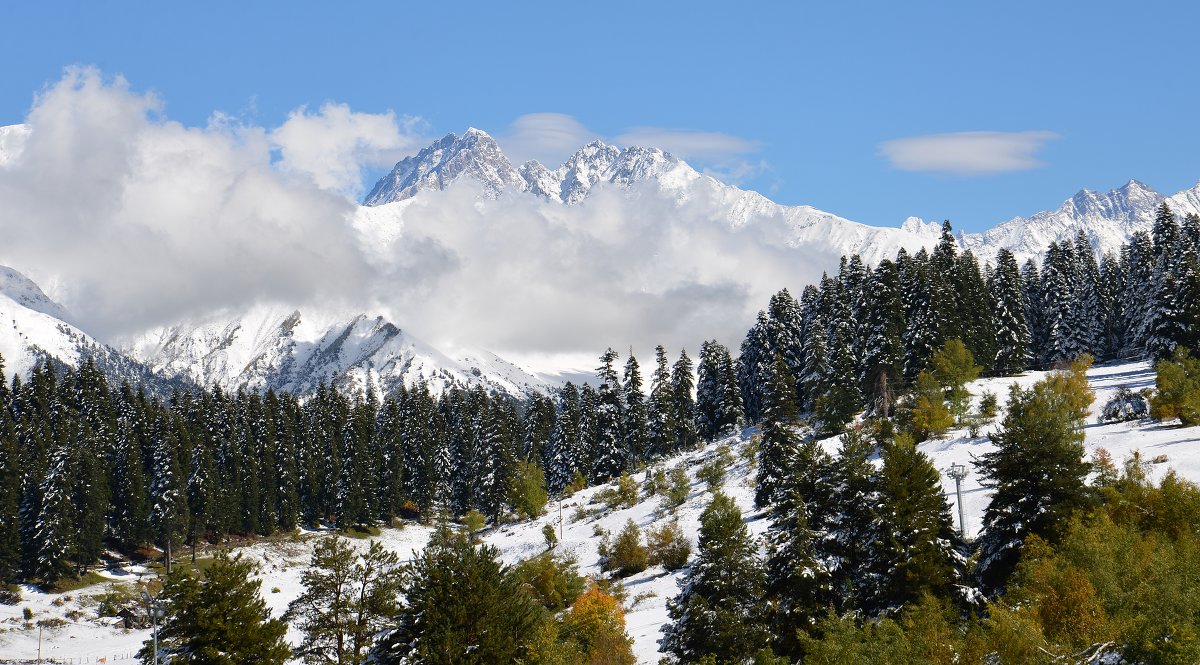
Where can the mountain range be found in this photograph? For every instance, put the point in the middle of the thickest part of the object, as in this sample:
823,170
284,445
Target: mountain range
288,349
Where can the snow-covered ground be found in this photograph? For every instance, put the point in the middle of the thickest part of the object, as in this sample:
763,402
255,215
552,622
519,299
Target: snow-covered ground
84,639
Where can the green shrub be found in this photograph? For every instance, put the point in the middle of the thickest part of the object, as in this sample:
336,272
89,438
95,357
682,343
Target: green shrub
678,488
627,555
668,546
1178,384
553,581
527,494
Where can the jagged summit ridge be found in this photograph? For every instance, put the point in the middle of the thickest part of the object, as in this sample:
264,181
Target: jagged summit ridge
478,156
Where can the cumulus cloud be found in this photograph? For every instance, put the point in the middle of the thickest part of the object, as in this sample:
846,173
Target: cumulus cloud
335,144
143,222
521,275
968,153
549,138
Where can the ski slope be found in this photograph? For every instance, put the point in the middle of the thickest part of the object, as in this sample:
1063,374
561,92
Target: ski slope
84,639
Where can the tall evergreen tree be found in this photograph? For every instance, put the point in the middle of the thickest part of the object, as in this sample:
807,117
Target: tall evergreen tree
719,612
777,446
1008,316
753,366
608,456
634,420
660,409
684,403
1036,472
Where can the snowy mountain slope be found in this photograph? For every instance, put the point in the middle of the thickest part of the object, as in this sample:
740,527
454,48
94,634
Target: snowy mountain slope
477,156
285,349
284,561
1108,218
34,328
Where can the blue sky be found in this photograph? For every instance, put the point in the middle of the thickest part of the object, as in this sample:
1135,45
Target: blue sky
808,103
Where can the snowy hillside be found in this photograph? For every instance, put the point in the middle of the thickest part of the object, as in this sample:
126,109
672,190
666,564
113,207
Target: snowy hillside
647,592
33,328
288,350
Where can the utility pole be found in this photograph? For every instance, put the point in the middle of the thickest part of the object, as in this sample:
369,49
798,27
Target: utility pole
156,612
958,472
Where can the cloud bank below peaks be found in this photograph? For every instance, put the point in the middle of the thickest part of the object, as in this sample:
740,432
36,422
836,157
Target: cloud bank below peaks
135,221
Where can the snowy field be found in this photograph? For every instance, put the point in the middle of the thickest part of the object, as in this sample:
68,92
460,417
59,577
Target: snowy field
86,639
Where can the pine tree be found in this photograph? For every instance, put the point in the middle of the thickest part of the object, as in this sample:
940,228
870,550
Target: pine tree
719,612
1036,472
846,547
797,582
218,619
460,605
54,525
776,447
348,598
921,331
785,331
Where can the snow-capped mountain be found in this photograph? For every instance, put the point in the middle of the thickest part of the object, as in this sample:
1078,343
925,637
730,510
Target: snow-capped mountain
285,349
34,328
1108,220
477,156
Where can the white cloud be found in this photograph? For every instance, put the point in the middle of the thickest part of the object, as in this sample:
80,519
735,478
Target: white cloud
547,137
144,221
968,153
335,144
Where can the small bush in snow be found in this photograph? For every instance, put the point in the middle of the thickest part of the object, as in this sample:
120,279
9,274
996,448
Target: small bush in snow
669,546
627,555
678,488
1126,405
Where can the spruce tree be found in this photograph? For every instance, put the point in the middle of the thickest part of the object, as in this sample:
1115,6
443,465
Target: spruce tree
753,365
684,403
608,456
777,446
561,460
1008,316
719,612
660,409
847,545
634,421
883,350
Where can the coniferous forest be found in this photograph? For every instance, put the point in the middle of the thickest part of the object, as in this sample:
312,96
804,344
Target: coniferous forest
1077,558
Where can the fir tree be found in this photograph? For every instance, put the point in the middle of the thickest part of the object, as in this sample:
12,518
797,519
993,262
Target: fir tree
846,547
167,502
719,612
753,366
609,458
562,459
883,351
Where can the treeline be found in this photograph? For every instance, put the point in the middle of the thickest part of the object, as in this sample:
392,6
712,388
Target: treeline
854,341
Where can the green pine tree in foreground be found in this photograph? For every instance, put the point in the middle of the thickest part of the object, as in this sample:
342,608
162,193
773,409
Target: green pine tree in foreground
218,619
